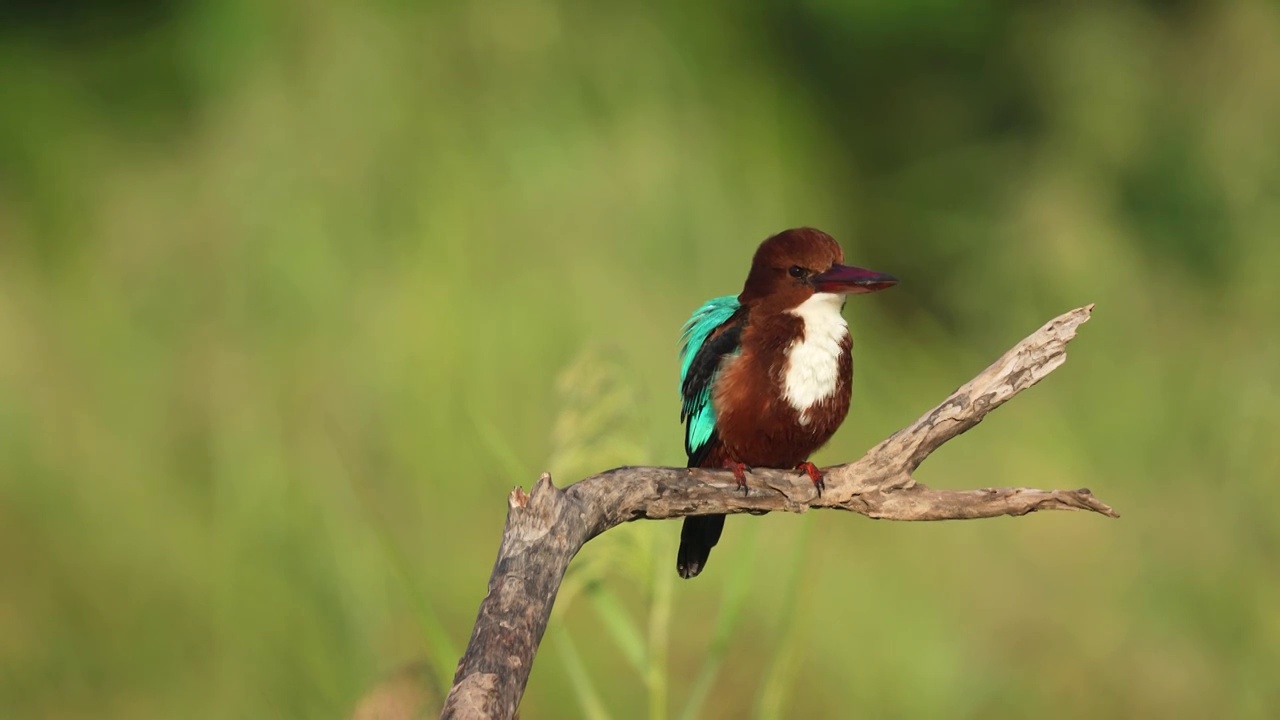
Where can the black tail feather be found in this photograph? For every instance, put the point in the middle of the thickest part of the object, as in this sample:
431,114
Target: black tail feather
699,534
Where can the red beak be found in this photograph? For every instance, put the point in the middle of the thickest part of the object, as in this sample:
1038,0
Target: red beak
851,280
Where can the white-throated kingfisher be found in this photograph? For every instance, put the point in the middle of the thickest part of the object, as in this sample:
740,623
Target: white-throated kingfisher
766,376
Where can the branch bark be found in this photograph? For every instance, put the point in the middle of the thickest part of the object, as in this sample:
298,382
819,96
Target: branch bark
546,527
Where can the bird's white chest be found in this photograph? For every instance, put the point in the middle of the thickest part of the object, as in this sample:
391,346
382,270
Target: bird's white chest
812,370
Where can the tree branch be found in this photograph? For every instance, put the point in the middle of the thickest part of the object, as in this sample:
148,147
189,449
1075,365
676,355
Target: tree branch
546,527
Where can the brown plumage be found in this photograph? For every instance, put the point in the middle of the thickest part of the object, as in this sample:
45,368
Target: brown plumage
756,425
782,392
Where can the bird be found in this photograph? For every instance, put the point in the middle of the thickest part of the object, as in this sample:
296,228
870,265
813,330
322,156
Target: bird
766,376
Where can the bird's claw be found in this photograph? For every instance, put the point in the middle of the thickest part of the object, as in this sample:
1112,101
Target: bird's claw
814,474
739,475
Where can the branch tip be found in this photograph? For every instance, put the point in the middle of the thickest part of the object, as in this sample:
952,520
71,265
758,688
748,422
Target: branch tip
518,498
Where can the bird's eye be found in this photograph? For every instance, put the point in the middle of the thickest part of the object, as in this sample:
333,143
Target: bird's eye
796,271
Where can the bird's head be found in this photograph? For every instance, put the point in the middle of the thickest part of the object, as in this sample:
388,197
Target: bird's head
794,265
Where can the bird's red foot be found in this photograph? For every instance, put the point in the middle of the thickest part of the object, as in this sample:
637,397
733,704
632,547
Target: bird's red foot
814,474
739,473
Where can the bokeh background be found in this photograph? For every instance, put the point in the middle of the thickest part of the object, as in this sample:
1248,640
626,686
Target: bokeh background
292,294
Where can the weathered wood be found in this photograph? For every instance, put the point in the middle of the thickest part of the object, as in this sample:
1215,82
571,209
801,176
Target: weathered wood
548,526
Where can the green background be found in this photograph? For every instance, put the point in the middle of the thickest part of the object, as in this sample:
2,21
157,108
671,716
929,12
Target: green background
292,294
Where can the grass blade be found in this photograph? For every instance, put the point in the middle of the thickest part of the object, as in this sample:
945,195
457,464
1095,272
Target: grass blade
661,599
778,679
620,625
442,653
736,592
583,688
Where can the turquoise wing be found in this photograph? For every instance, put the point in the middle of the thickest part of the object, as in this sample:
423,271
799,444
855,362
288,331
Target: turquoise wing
715,330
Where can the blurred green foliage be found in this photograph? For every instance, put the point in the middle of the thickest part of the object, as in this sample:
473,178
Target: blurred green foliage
292,294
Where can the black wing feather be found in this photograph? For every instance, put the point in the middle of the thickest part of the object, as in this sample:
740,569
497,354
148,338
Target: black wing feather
702,372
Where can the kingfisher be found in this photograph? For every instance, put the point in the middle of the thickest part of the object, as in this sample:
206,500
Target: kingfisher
766,375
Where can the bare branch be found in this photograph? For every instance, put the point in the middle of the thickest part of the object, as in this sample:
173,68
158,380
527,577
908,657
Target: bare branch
546,527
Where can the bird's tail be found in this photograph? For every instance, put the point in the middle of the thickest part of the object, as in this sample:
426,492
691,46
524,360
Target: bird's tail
699,534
